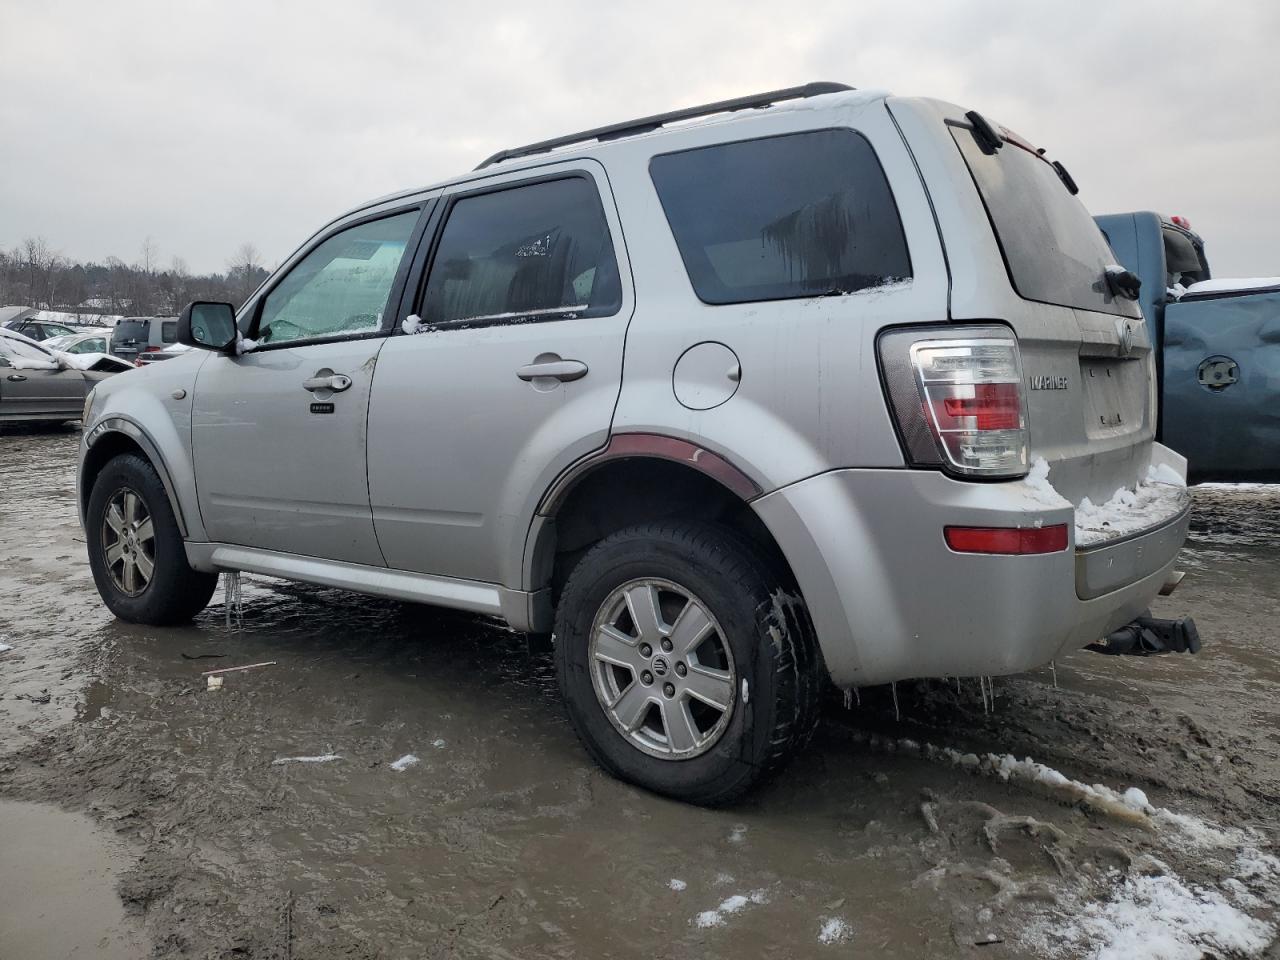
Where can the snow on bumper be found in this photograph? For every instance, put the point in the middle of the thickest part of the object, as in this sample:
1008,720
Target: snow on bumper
1153,502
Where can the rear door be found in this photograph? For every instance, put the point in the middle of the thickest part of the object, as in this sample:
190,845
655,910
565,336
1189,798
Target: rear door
1222,384
278,433
513,377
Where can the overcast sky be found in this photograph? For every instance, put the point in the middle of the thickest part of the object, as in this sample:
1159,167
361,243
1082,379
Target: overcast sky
207,124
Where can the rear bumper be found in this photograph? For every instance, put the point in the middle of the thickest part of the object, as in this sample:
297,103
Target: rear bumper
890,600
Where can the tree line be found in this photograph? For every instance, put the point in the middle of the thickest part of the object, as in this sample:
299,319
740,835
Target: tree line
33,274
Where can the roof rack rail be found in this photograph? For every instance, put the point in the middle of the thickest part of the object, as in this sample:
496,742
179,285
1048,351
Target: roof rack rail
631,128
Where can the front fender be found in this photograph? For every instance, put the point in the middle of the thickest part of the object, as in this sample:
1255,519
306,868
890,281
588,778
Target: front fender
152,407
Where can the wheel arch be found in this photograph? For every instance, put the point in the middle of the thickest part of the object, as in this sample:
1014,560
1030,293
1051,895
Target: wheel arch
114,437
637,478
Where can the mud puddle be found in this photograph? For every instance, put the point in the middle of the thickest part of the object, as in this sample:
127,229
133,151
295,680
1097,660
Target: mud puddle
58,875
892,837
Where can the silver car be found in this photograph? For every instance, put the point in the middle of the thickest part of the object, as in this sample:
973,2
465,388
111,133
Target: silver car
818,384
39,383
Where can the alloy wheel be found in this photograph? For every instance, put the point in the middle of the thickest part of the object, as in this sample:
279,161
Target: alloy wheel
662,669
128,542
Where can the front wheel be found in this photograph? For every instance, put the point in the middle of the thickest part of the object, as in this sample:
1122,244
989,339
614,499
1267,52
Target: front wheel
135,548
684,666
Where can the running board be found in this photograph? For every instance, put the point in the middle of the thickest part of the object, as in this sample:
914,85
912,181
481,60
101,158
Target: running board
514,606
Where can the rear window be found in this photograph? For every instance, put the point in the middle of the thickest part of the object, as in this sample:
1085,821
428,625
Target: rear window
1054,251
801,215
129,330
169,331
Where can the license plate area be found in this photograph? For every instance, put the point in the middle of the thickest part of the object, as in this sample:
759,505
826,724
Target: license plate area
1114,396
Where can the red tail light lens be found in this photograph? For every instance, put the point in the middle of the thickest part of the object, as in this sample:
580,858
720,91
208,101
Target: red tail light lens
993,406
1007,540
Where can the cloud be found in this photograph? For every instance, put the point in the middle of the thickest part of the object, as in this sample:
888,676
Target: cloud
205,124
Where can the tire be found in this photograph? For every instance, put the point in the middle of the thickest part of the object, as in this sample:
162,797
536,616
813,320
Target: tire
173,592
751,637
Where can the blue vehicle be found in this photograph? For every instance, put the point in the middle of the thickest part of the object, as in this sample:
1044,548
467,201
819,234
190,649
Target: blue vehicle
1218,356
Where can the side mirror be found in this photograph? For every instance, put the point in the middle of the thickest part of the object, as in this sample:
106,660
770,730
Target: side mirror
209,326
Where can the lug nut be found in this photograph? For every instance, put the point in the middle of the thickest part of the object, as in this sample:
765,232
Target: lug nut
646,678
669,690
646,650
666,645
681,669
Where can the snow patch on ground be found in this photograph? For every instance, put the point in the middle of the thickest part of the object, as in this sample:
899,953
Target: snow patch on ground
438,744
677,885
322,758
834,930
404,763
1161,918
738,833
728,907
5,648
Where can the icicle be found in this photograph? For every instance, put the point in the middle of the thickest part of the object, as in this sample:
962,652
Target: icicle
1053,668
848,699
857,696
991,689
982,686
957,686
897,714
234,599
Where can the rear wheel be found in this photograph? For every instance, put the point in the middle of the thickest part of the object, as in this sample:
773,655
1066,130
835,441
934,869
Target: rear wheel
135,548
683,666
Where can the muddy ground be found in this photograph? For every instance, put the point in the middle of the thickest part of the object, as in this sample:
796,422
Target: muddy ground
143,815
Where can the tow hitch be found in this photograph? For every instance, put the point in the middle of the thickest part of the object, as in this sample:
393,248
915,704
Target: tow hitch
1149,635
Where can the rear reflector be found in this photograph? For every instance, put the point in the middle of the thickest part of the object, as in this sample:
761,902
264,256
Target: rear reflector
1007,540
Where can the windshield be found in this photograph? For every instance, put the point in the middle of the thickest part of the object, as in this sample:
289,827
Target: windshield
1054,251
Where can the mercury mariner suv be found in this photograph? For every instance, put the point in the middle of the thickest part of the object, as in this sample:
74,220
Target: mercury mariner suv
820,384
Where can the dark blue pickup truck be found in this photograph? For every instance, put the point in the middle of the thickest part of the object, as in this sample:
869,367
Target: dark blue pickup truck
1219,350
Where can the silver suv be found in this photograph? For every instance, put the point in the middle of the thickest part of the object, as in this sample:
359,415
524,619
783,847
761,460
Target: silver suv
816,384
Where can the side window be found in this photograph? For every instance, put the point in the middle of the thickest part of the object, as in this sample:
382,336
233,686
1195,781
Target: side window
169,331
537,251
341,286
801,215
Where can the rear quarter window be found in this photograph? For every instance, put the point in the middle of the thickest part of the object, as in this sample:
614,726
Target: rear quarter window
169,331
800,215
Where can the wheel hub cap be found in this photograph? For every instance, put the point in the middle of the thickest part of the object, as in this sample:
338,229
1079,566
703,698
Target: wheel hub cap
128,542
661,668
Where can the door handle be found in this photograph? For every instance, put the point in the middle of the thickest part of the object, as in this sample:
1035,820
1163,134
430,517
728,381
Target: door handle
16,377
336,382
557,369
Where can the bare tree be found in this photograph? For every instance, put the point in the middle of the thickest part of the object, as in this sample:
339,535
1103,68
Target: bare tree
244,272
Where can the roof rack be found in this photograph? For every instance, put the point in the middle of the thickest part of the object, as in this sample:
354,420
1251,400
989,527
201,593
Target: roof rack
630,128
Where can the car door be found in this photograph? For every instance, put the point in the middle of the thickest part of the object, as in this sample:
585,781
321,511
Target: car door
33,386
1221,384
512,376
278,432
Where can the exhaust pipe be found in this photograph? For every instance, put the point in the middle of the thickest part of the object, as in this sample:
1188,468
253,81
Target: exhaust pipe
1148,635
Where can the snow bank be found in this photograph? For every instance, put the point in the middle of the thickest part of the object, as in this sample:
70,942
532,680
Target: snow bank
1231,285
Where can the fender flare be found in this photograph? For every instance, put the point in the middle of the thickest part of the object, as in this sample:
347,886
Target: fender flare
138,434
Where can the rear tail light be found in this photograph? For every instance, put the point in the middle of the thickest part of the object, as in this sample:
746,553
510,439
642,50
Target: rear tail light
152,349
958,400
